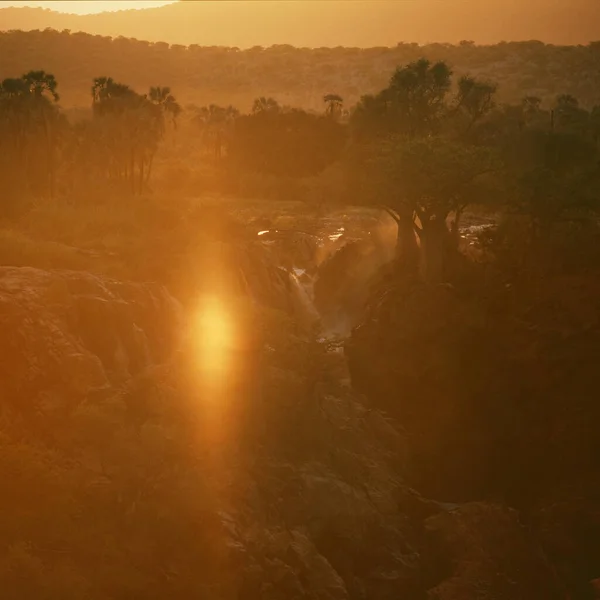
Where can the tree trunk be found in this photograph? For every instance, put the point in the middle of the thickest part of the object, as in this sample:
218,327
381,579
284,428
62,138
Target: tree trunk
455,230
141,179
407,248
132,170
149,169
218,146
436,246
49,154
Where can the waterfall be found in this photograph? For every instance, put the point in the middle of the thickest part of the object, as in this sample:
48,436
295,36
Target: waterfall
303,303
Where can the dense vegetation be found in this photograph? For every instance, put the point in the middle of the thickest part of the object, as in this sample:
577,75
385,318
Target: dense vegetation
425,148
303,24
278,482
295,76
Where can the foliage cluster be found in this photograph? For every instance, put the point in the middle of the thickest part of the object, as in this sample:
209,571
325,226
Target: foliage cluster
424,148
297,76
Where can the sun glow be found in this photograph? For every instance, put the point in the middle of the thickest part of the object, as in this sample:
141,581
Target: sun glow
86,7
215,338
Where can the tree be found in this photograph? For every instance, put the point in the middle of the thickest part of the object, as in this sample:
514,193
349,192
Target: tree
557,175
474,99
416,164
30,120
132,127
568,115
264,105
595,125
291,144
165,105
42,87
421,183
216,124
333,105
166,102
110,96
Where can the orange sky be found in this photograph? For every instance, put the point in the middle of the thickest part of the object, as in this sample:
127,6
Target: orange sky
84,7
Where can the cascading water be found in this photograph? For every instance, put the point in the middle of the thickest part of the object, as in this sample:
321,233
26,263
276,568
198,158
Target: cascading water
302,299
336,322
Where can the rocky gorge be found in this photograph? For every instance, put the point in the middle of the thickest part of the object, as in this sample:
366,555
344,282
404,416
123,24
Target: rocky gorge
428,477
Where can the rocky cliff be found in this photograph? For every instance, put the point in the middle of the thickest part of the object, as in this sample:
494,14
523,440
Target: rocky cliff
132,476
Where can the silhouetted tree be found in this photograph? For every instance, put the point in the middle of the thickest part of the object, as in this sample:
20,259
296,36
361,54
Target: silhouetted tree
292,143
475,99
333,105
133,126
30,120
265,105
216,124
412,104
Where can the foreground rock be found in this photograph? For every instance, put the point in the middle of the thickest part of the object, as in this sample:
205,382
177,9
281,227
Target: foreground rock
137,472
66,334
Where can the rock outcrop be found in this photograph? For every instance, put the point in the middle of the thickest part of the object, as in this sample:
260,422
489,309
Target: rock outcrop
273,482
66,333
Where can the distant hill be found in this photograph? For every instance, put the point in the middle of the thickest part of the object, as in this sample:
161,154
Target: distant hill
294,76
315,23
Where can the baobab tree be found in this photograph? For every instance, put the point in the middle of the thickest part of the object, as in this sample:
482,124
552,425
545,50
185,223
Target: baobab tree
415,165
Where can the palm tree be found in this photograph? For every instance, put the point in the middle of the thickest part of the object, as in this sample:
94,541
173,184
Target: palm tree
216,123
29,105
163,103
133,125
162,97
13,93
40,82
334,105
41,85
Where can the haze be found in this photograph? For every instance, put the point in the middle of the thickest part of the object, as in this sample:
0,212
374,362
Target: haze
359,23
300,300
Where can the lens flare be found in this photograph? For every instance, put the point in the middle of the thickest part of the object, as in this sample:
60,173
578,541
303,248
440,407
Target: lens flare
215,338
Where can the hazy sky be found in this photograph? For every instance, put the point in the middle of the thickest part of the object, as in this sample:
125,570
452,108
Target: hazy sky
84,7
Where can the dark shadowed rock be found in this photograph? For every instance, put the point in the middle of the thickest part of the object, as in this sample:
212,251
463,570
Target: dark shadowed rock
495,386
487,554
343,279
567,523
